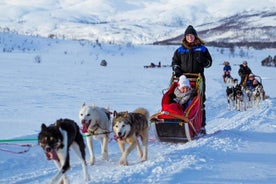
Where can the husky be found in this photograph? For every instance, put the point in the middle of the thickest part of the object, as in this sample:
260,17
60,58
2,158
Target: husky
56,139
95,124
258,94
241,98
229,81
230,97
249,95
127,127
231,92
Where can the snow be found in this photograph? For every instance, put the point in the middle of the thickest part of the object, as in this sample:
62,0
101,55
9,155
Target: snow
239,147
44,79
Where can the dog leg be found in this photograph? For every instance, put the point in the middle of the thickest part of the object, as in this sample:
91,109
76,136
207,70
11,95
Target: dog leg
89,140
63,155
64,177
104,145
139,150
121,146
57,163
77,150
123,159
60,176
238,105
145,140
228,104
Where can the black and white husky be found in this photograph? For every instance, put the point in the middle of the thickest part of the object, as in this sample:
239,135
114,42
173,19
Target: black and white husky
230,97
56,139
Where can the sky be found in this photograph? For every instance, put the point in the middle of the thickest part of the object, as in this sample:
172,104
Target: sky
43,80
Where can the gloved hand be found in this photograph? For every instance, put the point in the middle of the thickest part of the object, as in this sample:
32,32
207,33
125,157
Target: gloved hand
200,59
177,71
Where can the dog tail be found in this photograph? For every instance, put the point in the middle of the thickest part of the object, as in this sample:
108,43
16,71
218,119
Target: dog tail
143,111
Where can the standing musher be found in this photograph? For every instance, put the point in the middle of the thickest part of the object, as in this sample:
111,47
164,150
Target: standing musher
192,57
244,72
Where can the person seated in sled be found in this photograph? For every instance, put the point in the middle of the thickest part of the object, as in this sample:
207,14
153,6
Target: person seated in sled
252,83
254,87
183,92
226,70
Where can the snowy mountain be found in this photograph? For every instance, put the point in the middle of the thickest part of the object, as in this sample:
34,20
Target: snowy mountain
249,28
141,22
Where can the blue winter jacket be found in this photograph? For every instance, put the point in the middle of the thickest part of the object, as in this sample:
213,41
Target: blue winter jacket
192,61
227,68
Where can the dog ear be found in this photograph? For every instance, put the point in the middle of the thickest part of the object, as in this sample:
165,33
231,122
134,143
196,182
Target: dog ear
83,105
58,122
43,126
115,114
125,114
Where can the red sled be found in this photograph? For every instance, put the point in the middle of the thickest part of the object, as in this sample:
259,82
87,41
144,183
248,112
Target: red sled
175,124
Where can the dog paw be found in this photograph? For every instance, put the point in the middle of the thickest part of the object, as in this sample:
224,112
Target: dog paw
123,162
92,161
55,180
87,178
144,159
65,181
140,154
105,156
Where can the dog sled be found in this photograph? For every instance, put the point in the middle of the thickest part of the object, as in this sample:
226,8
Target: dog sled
175,124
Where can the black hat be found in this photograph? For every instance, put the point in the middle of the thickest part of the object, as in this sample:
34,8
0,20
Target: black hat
190,30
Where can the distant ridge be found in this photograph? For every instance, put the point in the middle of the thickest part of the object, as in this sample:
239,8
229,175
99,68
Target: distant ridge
238,30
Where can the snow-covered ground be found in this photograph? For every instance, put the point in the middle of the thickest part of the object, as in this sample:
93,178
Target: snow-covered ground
239,147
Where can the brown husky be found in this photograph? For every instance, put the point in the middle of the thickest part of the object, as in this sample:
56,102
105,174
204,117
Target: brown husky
127,128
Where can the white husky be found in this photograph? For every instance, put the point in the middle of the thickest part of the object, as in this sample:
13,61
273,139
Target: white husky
95,123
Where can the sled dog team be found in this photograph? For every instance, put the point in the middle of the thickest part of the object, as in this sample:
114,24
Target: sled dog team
247,93
56,139
242,98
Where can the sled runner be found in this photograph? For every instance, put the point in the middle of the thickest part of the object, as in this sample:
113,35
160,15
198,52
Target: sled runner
175,124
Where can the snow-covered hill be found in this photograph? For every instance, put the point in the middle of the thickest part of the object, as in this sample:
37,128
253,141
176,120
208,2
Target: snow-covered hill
239,147
248,29
141,22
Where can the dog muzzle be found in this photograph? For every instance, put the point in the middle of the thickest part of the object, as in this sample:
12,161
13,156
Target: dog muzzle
85,125
120,136
51,154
